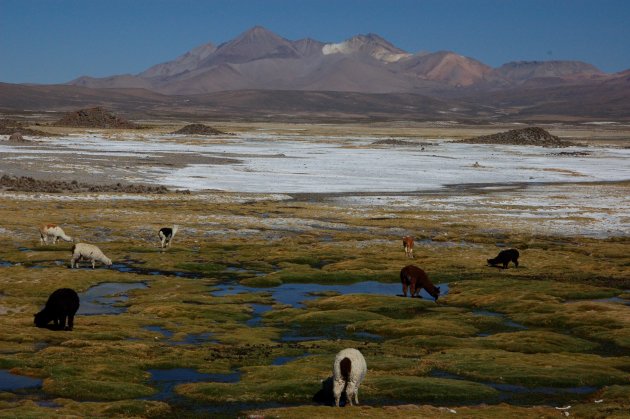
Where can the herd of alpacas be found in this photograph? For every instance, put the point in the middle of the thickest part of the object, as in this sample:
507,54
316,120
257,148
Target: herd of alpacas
349,366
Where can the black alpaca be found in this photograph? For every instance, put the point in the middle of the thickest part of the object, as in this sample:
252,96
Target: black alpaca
504,257
62,304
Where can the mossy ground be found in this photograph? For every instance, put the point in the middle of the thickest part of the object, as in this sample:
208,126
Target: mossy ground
101,368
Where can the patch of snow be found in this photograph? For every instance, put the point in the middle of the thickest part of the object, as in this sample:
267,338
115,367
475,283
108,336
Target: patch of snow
340,48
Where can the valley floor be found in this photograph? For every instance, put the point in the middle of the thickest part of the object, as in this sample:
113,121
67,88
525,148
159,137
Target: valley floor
244,313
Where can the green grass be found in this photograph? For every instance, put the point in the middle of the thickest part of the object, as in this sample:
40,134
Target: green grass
100,368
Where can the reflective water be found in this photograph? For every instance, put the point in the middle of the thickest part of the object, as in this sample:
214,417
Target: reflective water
296,294
128,268
167,380
506,321
511,391
12,382
259,310
106,297
282,360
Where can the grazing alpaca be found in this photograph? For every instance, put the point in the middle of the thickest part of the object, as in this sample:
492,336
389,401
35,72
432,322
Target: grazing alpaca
62,303
504,257
349,370
416,279
408,245
88,252
166,235
53,231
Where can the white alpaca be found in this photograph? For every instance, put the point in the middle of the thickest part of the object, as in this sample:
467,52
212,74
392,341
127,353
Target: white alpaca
349,370
166,235
88,252
53,231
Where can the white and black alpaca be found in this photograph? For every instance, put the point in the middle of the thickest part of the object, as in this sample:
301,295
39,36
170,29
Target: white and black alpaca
166,235
349,370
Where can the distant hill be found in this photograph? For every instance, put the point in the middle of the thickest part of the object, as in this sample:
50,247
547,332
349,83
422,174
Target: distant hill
609,100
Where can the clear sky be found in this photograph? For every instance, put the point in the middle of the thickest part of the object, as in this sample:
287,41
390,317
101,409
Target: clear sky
54,41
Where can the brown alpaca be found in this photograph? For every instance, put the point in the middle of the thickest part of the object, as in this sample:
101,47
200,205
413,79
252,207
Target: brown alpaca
415,279
408,245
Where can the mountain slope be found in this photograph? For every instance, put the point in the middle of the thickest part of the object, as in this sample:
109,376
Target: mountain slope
446,67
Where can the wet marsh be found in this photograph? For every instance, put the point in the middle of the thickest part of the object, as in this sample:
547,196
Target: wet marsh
225,324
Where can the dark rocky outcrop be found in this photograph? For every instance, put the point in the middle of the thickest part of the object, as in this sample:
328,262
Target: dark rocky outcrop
524,136
198,129
94,118
395,142
28,184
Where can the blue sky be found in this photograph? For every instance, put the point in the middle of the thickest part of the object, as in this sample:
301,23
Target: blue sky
54,41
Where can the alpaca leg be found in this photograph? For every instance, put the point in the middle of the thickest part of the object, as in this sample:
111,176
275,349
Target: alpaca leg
337,390
350,391
93,263
356,395
404,289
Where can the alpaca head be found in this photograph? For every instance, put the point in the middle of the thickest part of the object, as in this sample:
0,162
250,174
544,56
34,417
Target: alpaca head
41,319
435,294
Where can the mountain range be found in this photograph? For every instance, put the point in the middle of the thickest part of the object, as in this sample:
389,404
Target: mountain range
260,74
258,59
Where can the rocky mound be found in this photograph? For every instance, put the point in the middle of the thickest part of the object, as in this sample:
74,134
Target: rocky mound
11,127
28,184
524,136
198,129
394,141
17,137
94,118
